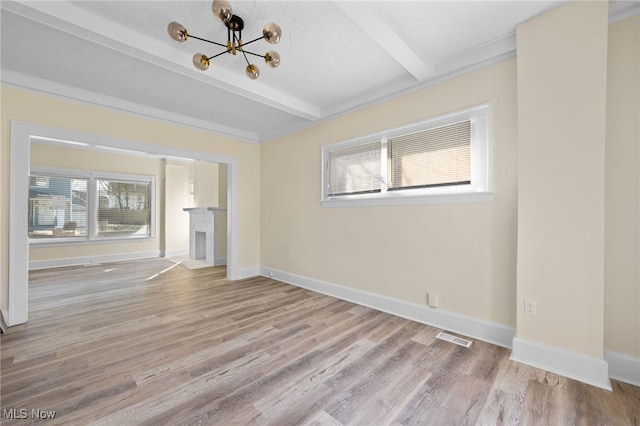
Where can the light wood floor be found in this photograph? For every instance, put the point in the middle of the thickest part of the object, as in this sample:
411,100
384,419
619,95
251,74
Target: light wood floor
117,344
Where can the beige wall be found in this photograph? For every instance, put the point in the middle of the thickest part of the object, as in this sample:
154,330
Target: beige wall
562,61
206,184
49,111
176,220
222,186
467,253
622,190
464,253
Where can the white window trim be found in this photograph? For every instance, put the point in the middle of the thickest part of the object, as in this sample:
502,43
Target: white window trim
479,191
92,194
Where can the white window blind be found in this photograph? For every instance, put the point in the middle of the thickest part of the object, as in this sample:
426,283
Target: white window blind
429,158
355,170
124,208
77,205
57,207
445,159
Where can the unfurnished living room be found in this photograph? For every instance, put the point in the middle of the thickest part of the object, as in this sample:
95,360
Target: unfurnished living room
320,213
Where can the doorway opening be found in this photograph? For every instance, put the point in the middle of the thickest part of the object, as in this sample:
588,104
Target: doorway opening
23,135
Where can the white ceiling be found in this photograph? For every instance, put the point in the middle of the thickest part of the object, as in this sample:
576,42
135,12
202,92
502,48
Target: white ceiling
337,56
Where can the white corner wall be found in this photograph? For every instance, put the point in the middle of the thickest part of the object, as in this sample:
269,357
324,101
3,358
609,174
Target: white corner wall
622,191
622,203
562,81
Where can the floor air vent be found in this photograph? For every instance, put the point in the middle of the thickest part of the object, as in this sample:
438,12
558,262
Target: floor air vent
454,339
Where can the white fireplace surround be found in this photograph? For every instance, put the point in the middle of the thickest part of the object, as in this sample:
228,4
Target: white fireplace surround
202,233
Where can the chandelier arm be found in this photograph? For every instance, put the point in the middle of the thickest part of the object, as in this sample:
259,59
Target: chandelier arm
254,54
245,57
249,42
219,54
208,41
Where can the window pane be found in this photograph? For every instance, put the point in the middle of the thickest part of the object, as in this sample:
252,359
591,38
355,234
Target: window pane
57,207
434,157
123,208
355,170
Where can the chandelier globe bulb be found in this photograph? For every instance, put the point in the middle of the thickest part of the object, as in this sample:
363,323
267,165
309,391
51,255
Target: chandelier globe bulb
222,10
253,72
200,61
272,58
177,32
272,32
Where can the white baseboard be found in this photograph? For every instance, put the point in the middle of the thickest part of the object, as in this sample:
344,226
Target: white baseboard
3,323
90,260
217,261
241,274
174,253
623,367
487,331
575,365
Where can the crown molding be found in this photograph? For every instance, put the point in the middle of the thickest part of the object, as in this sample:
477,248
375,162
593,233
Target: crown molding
37,85
77,21
619,9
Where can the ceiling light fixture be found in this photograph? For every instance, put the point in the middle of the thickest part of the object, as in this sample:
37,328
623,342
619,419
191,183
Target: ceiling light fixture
222,10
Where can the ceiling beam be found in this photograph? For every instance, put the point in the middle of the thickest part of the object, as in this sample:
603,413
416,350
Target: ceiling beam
74,20
376,27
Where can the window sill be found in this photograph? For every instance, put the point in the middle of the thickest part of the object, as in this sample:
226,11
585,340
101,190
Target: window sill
401,200
83,241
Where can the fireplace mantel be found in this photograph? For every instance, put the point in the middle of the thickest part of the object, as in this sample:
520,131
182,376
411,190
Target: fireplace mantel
203,209
202,233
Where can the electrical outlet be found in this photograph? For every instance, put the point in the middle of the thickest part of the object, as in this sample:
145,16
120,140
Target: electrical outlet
529,307
432,300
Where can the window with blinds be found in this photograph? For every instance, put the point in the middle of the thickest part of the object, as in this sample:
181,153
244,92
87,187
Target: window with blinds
123,208
440,160
355,170
70,205
57,207
434,157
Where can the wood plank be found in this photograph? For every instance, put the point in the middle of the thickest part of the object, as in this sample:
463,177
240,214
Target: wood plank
143,343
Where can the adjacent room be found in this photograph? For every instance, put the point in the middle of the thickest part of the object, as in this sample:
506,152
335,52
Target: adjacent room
325,212
129,197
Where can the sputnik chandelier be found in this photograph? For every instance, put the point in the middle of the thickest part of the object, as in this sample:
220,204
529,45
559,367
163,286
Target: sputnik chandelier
222,10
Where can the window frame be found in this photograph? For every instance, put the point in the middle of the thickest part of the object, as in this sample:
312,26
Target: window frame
93,202
480,190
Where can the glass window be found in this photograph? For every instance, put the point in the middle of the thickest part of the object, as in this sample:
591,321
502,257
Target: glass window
441,160
355,170
57,207
123,208
78,205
